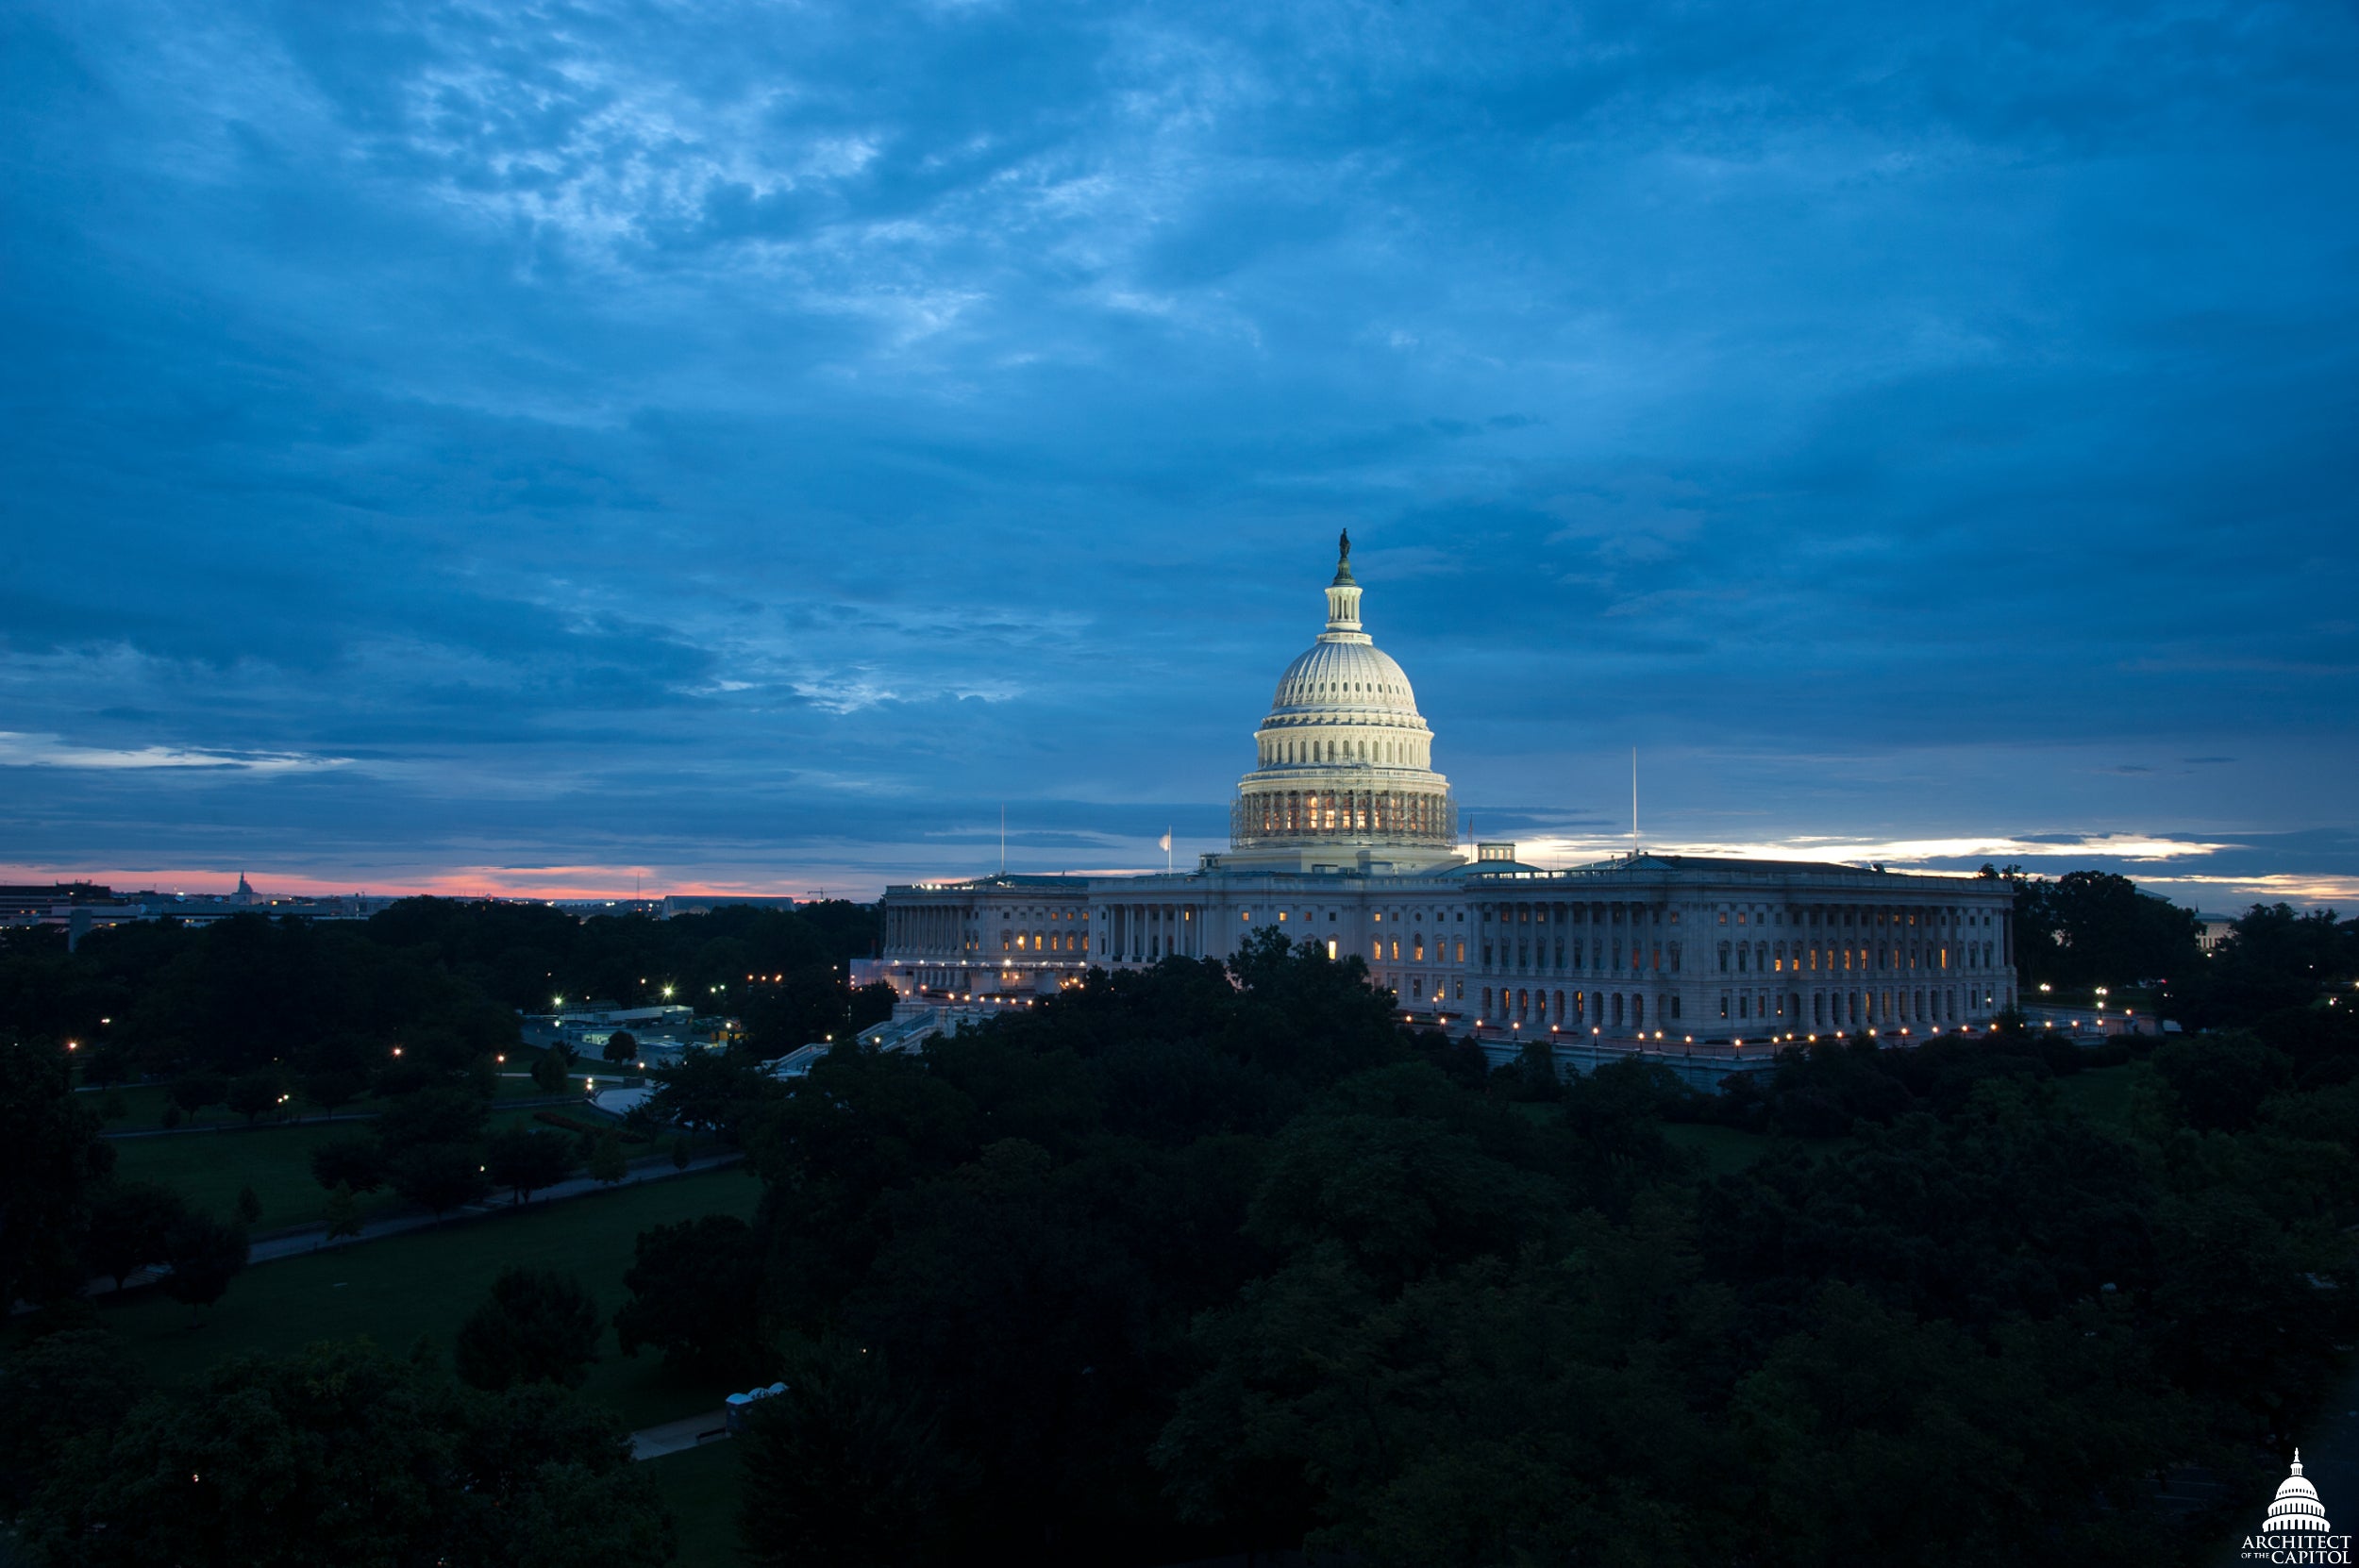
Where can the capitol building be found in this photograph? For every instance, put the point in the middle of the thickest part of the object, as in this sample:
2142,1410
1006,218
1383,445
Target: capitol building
1344,835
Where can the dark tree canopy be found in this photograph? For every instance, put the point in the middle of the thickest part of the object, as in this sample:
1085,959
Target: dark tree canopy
358,1163
537,1326
525,1160
695,1295
438,1177
55,1161
55,1387
131,1223
1210,1257
2277,959
204,1255
2093,927
340,1454
323,1007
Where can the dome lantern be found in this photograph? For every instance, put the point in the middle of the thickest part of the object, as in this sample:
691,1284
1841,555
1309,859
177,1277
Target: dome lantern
1343,594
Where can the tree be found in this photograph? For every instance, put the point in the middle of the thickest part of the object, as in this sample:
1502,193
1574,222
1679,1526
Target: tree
438,1177
435,1115
343,1213
525,1160
195,1092
844,1467
607,1163
538,1326
340,1453
356,1164
250,1095
2218,1081
54,1389
681,1153
1534,1075
2094,927
330,1087
204,1255
716,1090
249,1206
55,1162
696,1295
621,1047
548,1071
2276,959
558,1475
130,1223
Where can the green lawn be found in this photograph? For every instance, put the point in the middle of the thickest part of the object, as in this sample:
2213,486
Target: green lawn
427,1282
143,1104
1726,1150
208,1168
701,1487
2103,1094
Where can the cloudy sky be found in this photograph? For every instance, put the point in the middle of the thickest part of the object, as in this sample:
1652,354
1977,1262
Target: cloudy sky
536,447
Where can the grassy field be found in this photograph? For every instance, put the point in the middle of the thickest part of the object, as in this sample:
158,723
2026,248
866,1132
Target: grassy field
2103,1094
143,1104
426,1283
1725,1149
701,1487
208,1168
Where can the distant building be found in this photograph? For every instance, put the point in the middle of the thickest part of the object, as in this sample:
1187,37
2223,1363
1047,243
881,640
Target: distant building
1344,835
705,902
2213,929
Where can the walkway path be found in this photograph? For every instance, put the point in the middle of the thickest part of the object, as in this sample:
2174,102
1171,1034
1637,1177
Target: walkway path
314,1238
673,1437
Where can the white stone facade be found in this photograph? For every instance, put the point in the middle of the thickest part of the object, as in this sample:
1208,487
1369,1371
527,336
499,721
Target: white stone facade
1345,837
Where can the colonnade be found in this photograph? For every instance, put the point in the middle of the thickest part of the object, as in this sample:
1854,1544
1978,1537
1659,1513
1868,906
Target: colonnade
1144,933
1422,815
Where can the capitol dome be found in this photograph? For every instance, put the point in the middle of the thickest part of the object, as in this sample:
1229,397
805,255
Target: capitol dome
2296,1507
1344,757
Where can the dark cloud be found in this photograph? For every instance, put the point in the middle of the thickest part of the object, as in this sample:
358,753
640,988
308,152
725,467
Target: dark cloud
759,436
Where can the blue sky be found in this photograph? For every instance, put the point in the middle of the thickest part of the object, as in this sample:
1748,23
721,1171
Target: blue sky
533,447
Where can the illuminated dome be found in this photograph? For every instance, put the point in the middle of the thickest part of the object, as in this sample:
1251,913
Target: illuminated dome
1345,757
2297,1506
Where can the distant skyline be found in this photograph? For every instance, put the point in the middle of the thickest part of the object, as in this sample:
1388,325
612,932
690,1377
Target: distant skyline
519,449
